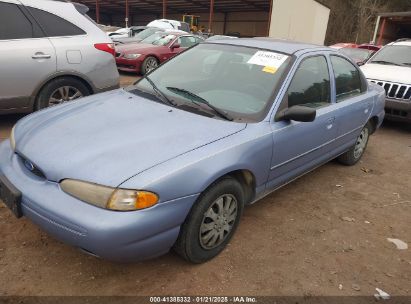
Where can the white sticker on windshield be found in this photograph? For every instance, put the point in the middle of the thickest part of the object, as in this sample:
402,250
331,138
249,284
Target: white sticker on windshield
268,59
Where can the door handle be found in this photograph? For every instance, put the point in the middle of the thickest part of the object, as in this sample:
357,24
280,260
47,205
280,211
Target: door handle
41,56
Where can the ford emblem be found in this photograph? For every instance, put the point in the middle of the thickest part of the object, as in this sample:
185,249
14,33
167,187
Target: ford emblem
29,165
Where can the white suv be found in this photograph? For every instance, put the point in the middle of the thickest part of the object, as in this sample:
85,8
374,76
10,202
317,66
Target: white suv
50,53
391,68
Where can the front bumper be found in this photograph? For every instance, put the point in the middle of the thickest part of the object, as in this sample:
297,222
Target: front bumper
116,236
128,65
398,110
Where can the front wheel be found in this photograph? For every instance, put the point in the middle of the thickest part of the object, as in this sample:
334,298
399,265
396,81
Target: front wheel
211,222
149,64
352,156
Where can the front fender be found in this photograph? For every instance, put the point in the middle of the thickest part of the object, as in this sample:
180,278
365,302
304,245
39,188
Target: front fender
193,172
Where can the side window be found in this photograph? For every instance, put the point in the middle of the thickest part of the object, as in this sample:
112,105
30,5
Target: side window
186,41
347,78
53,25
311,84
14,24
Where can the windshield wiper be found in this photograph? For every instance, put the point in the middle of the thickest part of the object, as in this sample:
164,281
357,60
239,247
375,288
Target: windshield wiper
386,62
407,63
193,97
159,92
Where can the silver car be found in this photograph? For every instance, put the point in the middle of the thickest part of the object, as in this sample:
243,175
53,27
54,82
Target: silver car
51,52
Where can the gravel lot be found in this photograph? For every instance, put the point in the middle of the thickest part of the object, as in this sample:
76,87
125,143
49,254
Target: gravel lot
324,234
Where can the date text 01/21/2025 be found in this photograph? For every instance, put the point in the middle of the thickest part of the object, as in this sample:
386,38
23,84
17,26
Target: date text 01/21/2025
201,299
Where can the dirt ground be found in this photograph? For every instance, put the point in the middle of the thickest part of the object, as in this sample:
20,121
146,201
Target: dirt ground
324,234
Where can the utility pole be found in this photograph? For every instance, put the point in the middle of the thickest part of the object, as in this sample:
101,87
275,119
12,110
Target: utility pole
126,13
164,9
210,19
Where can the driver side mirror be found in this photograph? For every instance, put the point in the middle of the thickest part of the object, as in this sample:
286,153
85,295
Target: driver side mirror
175,46
297,113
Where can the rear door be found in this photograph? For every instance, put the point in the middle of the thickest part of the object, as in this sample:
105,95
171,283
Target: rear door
26,56
353,101
65,37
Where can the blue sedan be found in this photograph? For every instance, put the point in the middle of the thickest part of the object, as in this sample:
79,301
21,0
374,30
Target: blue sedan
171,161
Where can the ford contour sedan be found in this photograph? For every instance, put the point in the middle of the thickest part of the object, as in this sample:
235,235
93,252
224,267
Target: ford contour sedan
171,161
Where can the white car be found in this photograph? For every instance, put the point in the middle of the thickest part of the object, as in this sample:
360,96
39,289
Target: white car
120,33
391,68
170,25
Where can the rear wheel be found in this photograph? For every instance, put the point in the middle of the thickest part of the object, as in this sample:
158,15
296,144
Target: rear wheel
211,222
352,156
149,64
60,90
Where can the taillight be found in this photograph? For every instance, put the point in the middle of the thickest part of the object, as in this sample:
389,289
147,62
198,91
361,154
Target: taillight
106,47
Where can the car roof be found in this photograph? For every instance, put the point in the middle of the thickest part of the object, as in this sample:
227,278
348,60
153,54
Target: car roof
404,42
279,45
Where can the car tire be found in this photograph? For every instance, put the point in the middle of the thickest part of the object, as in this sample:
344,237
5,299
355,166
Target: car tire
149,64
352,156
194,242
66,87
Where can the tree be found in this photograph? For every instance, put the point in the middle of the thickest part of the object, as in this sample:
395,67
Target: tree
354,20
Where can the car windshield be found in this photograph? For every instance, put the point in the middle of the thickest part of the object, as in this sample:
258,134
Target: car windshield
159,39
146,33
239,81
394,54
356,54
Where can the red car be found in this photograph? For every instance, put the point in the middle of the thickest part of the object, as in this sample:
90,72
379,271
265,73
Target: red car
149,53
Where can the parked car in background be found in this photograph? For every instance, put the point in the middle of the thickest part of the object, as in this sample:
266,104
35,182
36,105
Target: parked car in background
120,33
51,53
391,68
360,56
369,46
341,45
125,33
138,37
171,161
220,37
168,24
155,49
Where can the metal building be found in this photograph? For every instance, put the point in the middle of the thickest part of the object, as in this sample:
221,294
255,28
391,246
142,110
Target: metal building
248,17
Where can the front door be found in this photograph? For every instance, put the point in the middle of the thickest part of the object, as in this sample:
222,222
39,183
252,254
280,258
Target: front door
301,146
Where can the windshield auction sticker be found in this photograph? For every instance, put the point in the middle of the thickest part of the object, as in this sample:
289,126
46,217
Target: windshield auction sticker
269,60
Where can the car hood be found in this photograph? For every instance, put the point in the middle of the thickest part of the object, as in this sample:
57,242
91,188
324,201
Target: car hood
110,137
389,73
135,47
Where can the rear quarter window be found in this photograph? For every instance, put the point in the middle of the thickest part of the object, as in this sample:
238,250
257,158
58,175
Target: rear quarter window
55,26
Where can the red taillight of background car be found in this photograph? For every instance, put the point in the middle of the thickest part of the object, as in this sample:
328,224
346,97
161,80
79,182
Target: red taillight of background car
106,47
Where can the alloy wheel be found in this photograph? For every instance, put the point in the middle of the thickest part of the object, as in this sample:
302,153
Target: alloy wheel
64,94
151,64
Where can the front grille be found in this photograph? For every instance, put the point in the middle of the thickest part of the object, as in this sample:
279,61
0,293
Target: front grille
395,90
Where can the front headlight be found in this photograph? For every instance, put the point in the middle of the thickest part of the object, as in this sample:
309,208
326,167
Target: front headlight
131,56
12,140
108,197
